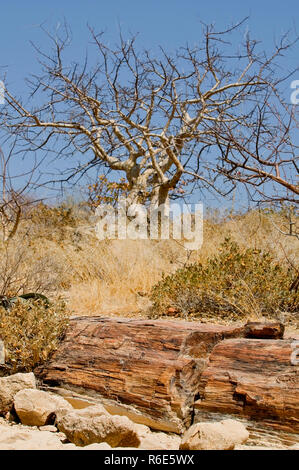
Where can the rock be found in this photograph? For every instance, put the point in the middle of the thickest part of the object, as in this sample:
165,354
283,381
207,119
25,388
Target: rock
102,446
38,408
264,330
94,425
171,311
48,428
87,413
158,441
223,435
10,386
146,369
252,378
245,447
21,438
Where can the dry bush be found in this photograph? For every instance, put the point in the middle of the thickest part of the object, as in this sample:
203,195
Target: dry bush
51,223
31,332
234,284
115,277
24,268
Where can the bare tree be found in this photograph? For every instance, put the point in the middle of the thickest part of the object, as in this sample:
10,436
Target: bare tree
207,114
265,159
15,197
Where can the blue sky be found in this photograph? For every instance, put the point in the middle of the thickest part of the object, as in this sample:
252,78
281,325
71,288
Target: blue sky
169,23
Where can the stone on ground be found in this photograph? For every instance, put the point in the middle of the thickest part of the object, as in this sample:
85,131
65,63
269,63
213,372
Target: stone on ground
222,435
157,440
17,437
10,386
38,408
94,425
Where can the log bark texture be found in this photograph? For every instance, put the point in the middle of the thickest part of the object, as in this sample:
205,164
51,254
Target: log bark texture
152,367
252,378
154,370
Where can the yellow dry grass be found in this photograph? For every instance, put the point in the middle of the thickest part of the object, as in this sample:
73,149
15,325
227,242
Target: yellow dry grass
128,271
115,277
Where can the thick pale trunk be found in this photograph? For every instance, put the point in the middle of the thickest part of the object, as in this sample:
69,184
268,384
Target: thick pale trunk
150,216
160,198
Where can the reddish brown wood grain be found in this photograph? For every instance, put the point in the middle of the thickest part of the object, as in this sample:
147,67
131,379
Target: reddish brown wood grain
158,369
154,366
252,378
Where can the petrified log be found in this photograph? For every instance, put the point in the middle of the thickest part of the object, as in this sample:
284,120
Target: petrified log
154,371
259,330
254,379
148,370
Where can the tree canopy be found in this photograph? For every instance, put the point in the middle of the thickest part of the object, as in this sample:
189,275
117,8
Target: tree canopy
211,114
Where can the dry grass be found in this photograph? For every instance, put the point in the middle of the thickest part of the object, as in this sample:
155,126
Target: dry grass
115,277
255,229
128,271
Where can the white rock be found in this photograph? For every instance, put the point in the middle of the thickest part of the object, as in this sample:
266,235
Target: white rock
156,440
101,446
20,438
38,408
11,385
94,425
223,435
49,428
255,447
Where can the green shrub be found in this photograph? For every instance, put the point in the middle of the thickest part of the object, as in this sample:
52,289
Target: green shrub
31,331
232,285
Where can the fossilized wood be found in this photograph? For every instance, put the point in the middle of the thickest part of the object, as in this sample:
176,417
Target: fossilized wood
258,330
154,371
150,369
252,378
